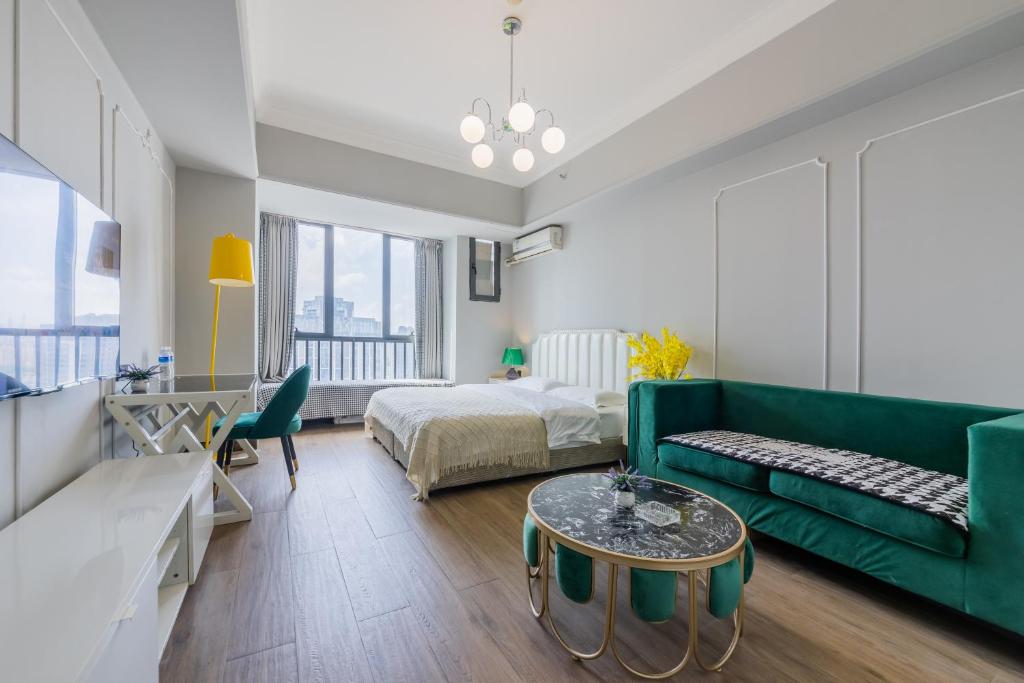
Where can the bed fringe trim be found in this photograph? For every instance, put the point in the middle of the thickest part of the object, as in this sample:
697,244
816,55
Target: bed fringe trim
519,459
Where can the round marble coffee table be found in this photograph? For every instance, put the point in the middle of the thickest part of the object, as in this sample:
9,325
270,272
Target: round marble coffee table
578,512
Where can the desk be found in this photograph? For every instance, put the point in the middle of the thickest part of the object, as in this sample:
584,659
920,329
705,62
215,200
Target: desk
173,412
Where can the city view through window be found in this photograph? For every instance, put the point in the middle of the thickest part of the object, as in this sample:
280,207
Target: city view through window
355,303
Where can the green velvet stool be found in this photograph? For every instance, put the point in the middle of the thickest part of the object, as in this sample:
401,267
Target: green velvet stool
652,593
279,420
724,583
575,574
574,571
531,551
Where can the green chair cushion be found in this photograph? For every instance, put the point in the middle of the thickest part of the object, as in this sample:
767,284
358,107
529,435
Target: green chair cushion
745,474
892,519
724,589
530,549
244,427
748,560
575,574
652,594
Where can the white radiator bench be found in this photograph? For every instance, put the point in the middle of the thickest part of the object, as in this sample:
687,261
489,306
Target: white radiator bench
343,400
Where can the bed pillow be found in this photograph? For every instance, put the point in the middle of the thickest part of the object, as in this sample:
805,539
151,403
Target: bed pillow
541,384
595,398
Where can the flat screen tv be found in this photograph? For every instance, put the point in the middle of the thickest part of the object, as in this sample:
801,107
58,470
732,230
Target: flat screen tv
60,281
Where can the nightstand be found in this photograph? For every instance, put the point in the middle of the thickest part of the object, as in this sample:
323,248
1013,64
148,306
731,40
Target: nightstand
497,380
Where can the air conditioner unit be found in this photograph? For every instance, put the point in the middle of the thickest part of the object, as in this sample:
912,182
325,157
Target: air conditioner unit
542,241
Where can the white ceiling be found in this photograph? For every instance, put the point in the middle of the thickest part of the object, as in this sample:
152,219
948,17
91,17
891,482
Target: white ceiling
397,76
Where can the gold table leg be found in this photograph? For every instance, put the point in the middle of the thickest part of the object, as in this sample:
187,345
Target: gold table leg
542,572
737,627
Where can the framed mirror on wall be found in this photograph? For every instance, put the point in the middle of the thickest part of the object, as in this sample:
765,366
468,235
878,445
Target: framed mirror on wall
484,270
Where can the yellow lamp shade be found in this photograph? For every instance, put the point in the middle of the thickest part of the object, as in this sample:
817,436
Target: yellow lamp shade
231,262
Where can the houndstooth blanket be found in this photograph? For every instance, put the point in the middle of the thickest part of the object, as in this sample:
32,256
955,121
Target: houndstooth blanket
936,493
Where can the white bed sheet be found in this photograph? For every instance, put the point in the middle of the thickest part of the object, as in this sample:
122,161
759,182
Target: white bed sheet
568,423
612,421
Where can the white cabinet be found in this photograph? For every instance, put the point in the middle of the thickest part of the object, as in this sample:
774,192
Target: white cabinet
101,568
131,655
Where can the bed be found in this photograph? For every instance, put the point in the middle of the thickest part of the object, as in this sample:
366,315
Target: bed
447,437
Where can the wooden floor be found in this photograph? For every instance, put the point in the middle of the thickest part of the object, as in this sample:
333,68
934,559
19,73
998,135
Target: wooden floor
347,579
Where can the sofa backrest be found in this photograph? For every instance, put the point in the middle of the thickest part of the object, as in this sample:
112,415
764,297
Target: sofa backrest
927,434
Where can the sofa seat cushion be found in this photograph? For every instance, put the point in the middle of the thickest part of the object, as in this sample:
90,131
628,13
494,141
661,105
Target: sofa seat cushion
886,517
939,494
735,472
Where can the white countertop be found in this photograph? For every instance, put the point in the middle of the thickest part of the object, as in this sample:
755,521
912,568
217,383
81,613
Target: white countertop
69,567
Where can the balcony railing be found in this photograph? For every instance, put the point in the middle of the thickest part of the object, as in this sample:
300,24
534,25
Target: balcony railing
355,358
46,358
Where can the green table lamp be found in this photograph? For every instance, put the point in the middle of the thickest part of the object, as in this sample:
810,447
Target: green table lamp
513,356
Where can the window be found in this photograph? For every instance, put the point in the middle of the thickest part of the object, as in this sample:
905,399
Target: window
484,270
355,303
403,287
309,280
358,283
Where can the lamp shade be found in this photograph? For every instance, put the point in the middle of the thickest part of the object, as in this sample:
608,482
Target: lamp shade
513,356
104,257
231,262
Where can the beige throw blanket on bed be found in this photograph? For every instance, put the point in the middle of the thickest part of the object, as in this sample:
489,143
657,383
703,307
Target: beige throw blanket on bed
446,430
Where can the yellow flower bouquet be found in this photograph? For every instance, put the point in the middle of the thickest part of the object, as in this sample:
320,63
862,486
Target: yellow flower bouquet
659,359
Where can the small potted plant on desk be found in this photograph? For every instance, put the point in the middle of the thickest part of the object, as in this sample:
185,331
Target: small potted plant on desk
138,377
624,482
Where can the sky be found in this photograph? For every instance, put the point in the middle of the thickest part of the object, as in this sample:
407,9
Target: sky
28,232
358,272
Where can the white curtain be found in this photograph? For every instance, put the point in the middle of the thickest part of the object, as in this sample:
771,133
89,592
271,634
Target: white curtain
277,249
429,309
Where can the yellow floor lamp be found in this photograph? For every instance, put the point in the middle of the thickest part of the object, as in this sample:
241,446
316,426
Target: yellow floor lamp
230,266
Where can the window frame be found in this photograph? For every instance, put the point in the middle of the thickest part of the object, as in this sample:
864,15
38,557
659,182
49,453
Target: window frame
328,292
473,296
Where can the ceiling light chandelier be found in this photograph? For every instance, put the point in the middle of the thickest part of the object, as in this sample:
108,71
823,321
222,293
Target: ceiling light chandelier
520,122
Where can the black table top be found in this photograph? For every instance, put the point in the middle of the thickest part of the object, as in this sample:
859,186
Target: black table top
581,507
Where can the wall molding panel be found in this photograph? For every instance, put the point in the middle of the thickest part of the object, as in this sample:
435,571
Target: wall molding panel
19,99
69,107
146,141
823,166
869,144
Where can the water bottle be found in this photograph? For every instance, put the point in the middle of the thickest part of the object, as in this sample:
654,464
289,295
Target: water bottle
166,361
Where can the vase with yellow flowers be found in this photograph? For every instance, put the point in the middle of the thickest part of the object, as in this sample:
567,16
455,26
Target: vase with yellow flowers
654,358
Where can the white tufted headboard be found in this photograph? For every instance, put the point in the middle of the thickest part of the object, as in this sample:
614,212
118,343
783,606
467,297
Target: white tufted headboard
592,358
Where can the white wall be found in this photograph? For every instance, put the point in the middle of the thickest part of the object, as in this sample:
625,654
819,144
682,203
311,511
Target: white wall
836,50
210,205
309,161
482,329
63,99
942,234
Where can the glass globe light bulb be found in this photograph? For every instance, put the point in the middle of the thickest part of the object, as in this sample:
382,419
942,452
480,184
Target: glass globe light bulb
522,159
483,156
553,140
472,128
520,117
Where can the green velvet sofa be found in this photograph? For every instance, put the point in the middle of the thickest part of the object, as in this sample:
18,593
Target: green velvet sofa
980,574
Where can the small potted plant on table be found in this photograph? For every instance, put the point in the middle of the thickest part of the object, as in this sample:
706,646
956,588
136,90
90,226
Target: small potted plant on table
625,482
139,377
